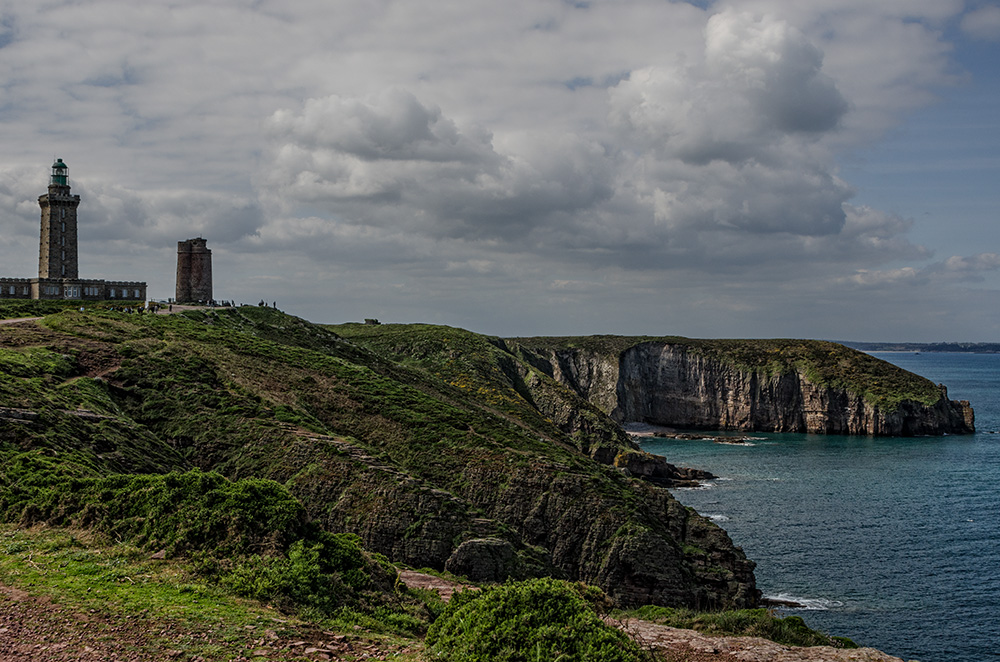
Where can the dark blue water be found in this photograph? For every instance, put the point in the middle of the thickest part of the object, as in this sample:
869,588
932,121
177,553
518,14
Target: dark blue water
893,542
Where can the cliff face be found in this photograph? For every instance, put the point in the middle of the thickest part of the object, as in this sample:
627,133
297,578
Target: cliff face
498,519
669,384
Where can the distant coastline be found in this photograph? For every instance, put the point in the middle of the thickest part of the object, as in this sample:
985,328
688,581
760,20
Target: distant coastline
962,347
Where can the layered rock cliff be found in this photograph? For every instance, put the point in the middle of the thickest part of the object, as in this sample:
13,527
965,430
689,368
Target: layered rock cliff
697,386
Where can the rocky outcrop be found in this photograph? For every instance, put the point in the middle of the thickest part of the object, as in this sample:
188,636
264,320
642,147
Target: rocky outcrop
655,469
669,384
484,560
499,521
650,551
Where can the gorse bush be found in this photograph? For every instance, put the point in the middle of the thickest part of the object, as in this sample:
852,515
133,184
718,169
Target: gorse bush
536,620
251,534
179,512
323,573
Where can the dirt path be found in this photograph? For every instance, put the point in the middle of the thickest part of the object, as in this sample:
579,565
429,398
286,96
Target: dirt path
38,630
444,587
699,647
15,320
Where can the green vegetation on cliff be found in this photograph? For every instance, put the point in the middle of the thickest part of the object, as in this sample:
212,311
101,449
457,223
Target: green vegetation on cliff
445,452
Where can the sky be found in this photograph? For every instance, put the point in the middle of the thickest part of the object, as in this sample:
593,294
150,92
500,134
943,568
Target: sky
732,168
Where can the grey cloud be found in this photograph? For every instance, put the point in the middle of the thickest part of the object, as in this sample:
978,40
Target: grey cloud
395,161
161,218
760,84
393,126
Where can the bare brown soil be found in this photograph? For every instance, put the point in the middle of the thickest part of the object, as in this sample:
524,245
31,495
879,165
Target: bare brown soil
19,319
37,630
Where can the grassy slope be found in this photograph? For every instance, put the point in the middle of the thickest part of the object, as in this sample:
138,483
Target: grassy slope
484,371
212,391
823,363
236,391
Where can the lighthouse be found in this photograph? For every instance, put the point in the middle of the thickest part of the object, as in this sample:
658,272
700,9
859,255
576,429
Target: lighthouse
57,251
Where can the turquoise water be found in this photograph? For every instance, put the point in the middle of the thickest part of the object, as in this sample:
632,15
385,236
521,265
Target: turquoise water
893,542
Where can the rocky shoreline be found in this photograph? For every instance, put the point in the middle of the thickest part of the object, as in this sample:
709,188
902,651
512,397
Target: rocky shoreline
642,431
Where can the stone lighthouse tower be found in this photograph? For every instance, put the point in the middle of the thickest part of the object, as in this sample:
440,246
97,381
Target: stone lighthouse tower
57,252
194,271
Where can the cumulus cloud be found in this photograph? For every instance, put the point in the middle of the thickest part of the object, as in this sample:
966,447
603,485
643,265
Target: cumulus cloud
759,83
392,160
724,145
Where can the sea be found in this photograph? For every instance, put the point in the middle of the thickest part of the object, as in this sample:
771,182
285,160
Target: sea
893,542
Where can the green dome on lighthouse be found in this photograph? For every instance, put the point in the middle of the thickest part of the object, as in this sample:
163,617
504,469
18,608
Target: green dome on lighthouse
58,173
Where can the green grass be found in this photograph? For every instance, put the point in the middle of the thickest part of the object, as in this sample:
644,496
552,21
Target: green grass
483,370
250,534
180,608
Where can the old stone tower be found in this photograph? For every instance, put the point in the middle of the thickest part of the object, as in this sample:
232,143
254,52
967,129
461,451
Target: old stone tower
194,271
57,252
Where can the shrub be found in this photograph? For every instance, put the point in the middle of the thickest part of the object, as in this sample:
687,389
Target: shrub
539,619
250,534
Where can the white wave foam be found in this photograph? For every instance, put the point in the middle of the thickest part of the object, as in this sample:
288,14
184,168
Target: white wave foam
805,604
718,518
699,486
